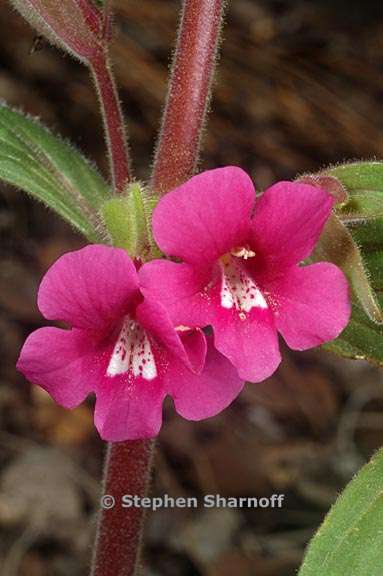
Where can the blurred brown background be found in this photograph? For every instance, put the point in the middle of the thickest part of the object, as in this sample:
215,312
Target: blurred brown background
299,86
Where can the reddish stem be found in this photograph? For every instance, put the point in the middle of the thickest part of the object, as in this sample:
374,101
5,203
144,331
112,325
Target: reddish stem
118,543
189,91
92,16
113,120
128,464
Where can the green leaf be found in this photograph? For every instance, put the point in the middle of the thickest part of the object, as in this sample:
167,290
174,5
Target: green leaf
364,184
359,176
350,540
362,339
51,170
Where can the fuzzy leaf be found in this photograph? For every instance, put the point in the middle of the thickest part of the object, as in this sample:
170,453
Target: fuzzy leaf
350,540
364,184
51,170
362,339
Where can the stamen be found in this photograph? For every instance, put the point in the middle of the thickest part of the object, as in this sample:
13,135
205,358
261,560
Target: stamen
132,352
243,252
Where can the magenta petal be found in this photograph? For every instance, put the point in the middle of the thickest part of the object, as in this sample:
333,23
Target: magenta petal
128,408
250,344
313,305
195,345
155,319
289,218
178,287
206,394
88,288
60,361
205,217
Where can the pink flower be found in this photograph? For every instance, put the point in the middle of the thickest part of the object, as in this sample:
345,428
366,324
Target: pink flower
122,346
240,271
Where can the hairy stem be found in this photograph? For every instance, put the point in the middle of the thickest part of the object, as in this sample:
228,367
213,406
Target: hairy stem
118,542
93,17
113,120
188,97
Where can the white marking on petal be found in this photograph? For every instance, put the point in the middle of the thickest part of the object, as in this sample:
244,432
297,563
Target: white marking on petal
238,290
132,352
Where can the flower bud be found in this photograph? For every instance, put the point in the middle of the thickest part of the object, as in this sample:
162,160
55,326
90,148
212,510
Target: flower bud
329,183
77,26
358,190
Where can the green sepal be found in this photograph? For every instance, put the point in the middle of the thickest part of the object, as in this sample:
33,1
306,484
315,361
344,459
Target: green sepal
363,338
338,246
128,220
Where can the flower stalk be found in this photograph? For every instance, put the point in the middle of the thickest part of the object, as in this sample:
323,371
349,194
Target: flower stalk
119,533
114,124
189,93
127,470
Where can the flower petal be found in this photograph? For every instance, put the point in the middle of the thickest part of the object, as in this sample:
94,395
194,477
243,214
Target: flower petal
59,361
312,305
289,218
205,217
250,344
194,342
179,288
128,408
206,394
155,319
89,288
